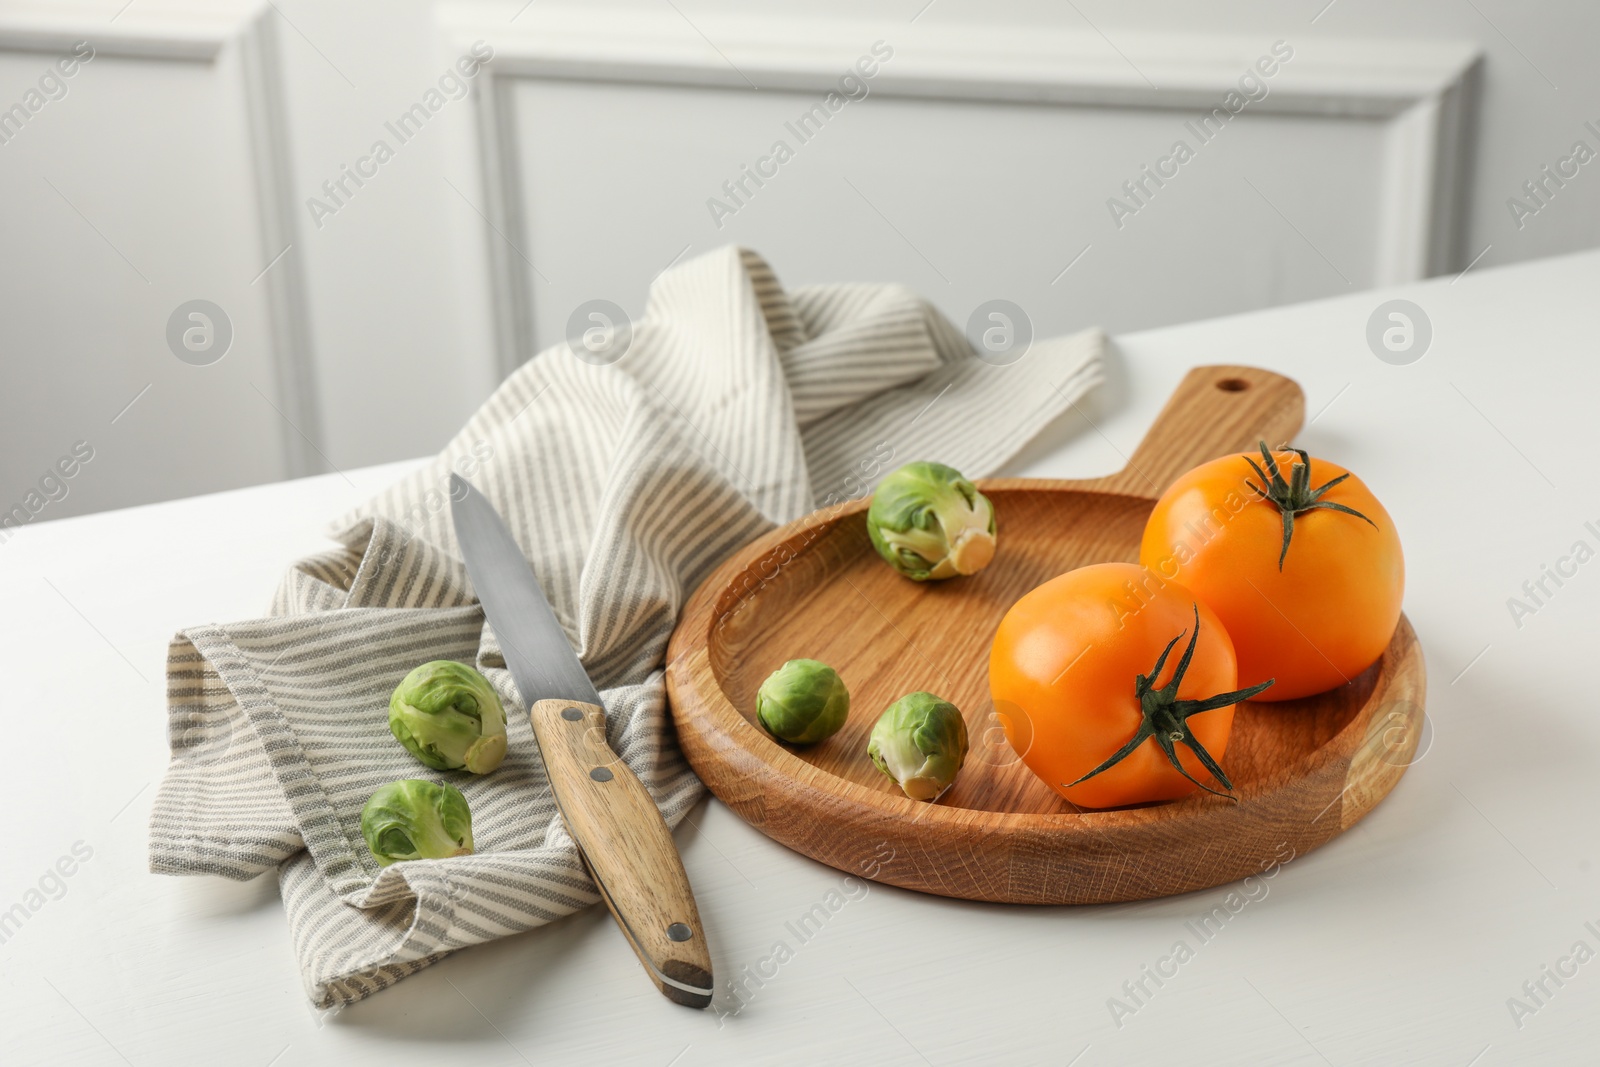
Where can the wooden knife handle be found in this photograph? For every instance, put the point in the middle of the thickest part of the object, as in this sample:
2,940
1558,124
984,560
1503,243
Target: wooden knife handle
627,848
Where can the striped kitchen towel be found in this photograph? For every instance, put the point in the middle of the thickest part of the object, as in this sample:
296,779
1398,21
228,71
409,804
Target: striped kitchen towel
738,406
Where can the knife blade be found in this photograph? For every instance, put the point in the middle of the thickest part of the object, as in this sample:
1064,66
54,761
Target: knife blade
623,840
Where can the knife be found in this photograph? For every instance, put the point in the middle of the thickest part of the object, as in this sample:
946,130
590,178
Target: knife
621,837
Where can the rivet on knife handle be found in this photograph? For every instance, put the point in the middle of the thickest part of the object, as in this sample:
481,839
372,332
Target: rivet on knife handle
627,847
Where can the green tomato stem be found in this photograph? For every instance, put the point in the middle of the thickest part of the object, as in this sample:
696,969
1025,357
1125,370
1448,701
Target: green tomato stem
1166,718
1295,496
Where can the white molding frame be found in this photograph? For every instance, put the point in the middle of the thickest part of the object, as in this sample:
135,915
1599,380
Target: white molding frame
205,35
505,230
1424,90
278,215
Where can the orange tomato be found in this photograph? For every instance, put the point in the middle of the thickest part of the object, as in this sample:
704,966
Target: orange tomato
1321,618
1064,670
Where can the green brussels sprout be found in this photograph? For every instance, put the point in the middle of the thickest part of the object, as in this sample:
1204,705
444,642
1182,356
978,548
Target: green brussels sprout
448,716
930,522
803,702
417,820
920,741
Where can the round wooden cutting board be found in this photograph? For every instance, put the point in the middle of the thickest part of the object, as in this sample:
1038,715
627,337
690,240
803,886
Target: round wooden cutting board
1303,770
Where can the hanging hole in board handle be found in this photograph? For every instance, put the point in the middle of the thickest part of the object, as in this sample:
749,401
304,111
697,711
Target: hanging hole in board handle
1233,385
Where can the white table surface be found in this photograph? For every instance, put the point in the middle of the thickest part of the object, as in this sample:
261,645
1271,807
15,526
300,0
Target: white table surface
1400,941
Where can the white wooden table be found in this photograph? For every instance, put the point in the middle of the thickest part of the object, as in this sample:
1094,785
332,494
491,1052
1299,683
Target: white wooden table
1401,941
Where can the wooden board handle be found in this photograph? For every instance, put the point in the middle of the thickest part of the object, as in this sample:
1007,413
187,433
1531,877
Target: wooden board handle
1214,411
627,848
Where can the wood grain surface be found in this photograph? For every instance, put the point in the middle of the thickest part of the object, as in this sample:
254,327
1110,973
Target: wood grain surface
1304,770
631,854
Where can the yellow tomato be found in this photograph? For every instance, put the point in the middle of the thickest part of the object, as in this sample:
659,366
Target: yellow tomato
1066,672
1311,607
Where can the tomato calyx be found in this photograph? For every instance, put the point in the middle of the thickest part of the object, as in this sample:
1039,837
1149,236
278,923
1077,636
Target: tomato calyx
1165,717
1295,496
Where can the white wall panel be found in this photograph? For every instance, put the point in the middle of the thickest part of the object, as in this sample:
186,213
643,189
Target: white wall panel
980,163
145,186
606,122
963,201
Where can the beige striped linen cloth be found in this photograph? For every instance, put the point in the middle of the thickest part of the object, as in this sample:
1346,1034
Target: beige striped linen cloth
739,406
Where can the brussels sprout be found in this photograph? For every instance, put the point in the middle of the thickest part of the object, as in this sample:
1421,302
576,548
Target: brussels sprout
930,522
448,716
417,820
920,741
803,702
